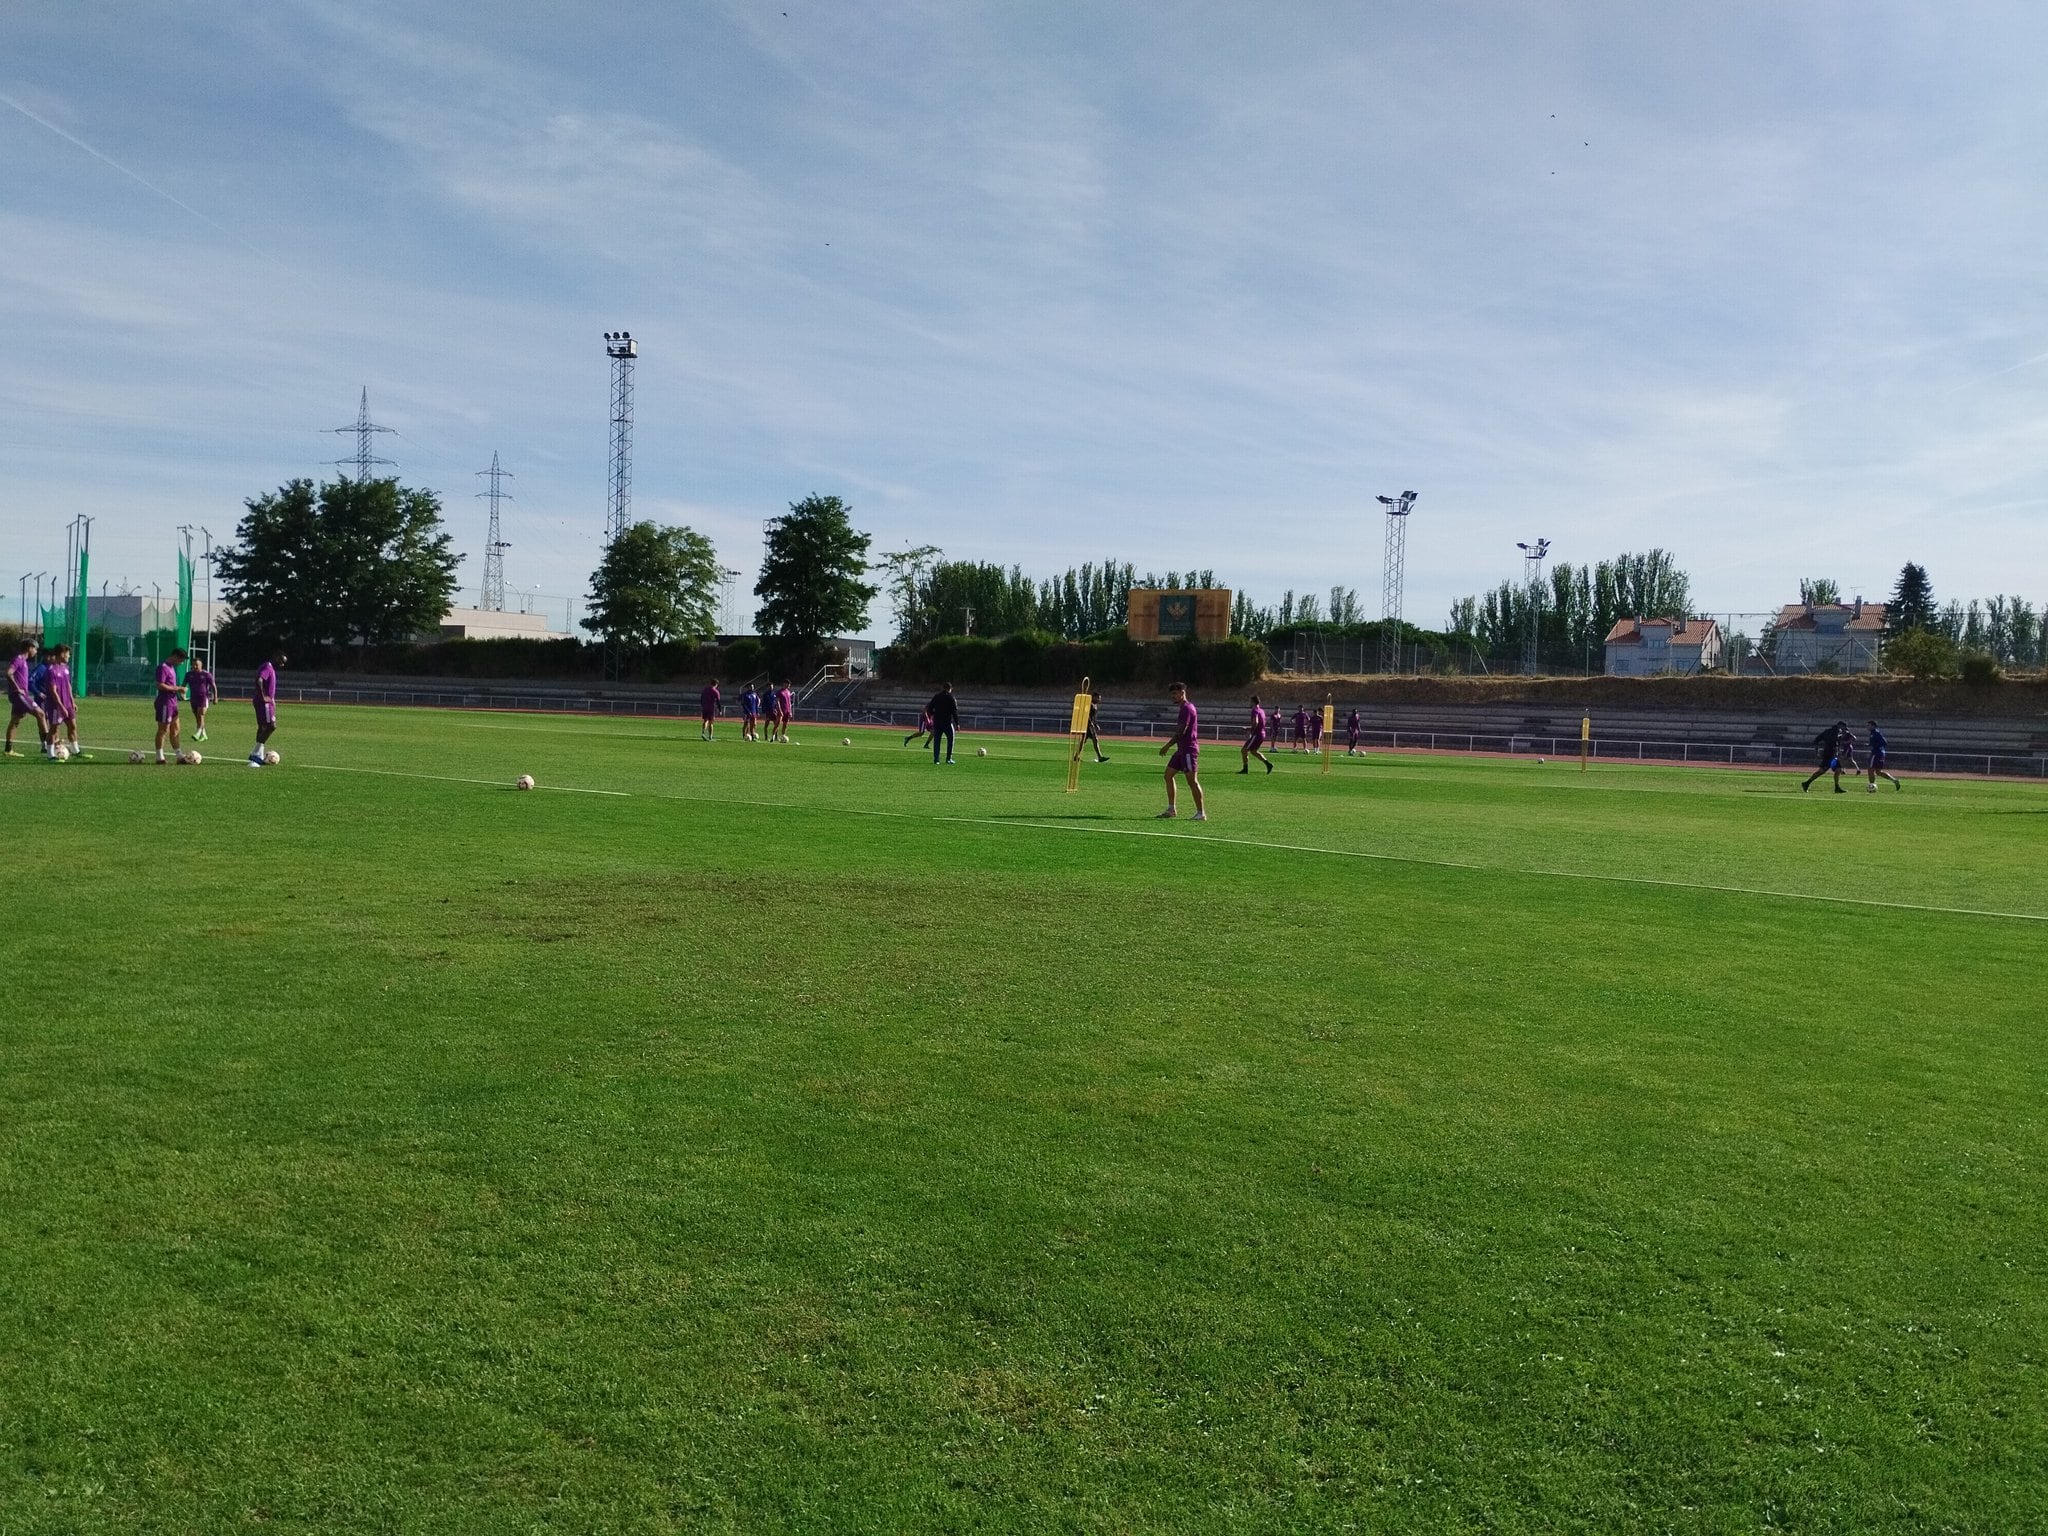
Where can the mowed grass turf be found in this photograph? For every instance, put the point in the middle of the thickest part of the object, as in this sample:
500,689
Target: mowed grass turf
810,1138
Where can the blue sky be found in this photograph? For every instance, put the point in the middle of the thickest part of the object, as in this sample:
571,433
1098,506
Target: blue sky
1042,283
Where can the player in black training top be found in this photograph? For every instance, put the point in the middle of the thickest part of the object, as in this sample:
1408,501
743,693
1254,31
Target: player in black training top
1827,747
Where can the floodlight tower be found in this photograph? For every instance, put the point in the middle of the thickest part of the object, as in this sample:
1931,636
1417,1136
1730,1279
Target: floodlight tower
728,604
493,598
365,431
212,620
1532,564
620,347
1393,577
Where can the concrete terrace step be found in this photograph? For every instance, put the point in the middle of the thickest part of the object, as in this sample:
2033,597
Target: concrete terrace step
1918,743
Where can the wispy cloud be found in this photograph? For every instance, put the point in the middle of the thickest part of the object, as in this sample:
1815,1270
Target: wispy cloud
1039,284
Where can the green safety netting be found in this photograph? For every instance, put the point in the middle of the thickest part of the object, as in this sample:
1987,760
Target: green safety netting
64,624
184,608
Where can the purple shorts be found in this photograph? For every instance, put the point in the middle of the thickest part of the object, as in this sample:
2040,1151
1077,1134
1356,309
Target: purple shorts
166,709
1183,761
19,703
1258,740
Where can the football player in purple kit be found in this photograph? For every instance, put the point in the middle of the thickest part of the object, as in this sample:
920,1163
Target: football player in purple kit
168,692
1255,739
750,714
924,726
785,711
60,702
1185,747
1351,735
21,700
264,697
707,706
200,692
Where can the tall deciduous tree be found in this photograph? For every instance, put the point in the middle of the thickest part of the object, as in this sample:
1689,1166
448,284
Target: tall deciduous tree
1575,607
655,583
905,581
1912,601
810,584
365,562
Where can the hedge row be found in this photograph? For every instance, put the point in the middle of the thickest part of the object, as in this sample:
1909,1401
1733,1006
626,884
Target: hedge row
1033,658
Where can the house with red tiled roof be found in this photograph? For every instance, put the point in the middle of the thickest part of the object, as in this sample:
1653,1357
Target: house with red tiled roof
1655,647
1826,637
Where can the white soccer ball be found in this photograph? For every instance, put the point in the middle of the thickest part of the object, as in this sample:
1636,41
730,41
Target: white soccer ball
524,781
272,758
60,752
1539,762
846,741
981,751
134,757
193,759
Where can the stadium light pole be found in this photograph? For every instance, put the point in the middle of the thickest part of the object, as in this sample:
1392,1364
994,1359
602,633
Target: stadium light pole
622,349
1532,563
212,620
24,597
1393,577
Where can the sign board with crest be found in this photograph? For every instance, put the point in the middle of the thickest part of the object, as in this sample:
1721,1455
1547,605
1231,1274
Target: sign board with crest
1184,613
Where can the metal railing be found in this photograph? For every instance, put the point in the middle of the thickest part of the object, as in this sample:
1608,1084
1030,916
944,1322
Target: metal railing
1754,754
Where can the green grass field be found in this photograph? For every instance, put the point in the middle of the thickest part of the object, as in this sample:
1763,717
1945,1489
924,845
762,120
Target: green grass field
811,1139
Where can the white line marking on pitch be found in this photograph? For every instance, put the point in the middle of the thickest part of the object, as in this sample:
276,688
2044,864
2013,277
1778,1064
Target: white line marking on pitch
449,778
1233,842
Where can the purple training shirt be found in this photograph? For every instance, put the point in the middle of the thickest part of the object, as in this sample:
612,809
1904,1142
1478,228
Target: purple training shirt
17,676
266,690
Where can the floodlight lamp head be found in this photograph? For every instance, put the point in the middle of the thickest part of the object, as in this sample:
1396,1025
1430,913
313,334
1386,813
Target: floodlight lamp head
1385,501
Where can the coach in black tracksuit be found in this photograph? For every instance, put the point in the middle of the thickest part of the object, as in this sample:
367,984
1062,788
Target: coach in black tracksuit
1827,747
945,716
